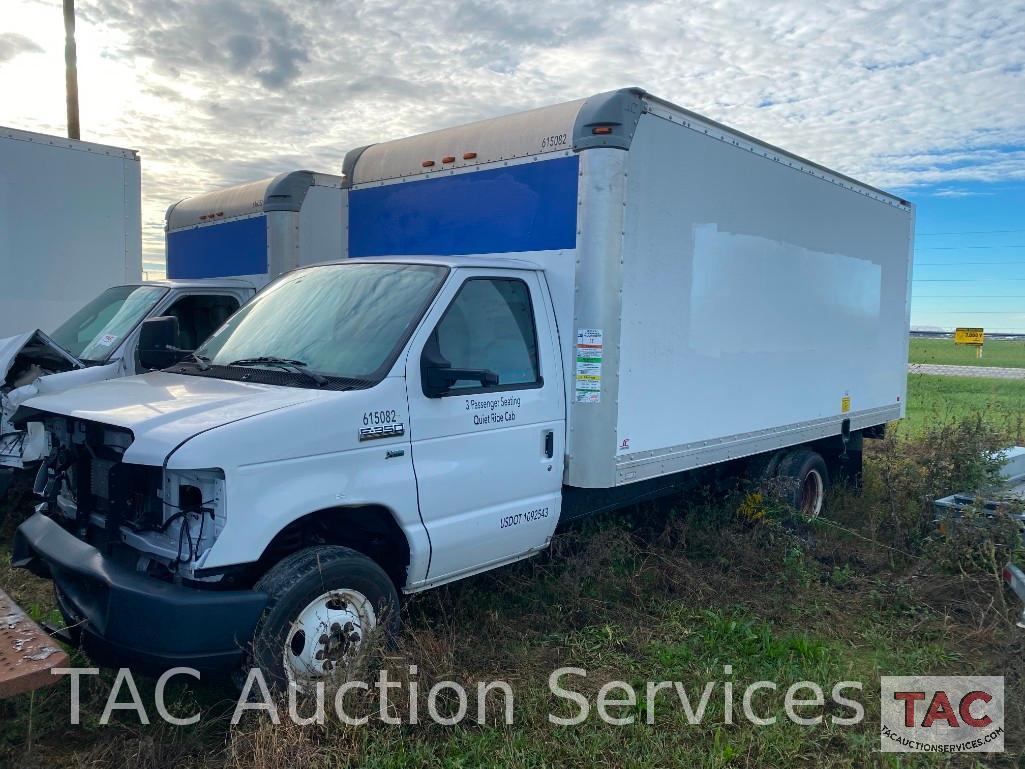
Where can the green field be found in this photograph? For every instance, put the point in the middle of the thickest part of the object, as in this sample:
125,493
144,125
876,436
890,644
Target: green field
999,352
940,399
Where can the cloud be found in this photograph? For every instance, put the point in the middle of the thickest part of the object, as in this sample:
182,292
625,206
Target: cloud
899,93
252,41
955,192
12,44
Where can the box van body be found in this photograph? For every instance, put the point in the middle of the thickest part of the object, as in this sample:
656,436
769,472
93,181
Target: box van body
540,316
716,297
70,225
256,231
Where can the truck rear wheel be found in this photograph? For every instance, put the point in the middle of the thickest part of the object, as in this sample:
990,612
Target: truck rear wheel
327,605
804,481
762,467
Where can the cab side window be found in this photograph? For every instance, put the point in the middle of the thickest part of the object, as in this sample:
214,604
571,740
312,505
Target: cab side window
199,316
490,326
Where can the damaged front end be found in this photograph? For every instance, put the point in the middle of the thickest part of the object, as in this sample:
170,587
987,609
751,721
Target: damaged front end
24,360
124,544
151,520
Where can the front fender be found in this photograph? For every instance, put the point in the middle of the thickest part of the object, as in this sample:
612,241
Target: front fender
284,464
263,499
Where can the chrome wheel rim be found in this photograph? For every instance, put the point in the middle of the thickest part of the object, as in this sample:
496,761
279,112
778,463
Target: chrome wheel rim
327,635
813,491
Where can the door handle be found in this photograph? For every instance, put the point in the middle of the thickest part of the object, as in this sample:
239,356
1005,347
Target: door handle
549,444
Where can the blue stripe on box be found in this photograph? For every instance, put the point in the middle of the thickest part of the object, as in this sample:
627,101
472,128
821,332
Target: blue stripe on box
526,207
219,250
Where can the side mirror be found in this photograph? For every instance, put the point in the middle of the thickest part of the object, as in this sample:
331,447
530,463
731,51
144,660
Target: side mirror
438,376
156,343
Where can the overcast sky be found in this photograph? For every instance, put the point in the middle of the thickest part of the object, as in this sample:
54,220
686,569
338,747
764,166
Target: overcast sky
924,98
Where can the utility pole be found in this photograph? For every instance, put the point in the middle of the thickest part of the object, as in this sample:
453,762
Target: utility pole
71,69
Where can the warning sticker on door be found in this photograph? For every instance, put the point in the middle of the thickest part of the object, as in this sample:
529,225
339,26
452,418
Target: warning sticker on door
590,350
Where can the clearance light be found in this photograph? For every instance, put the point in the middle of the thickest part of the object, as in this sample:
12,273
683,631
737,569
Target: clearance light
449,159
602,129
427,163
469,155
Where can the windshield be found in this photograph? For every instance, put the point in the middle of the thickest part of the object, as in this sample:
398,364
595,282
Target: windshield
95,331
343,320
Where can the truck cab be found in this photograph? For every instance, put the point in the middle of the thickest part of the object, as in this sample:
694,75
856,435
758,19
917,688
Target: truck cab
100,341
195,483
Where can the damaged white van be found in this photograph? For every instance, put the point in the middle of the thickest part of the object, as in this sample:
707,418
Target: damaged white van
100,342
542,316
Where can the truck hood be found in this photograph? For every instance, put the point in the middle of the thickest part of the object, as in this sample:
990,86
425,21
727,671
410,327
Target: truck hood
52,361
12,345
163,410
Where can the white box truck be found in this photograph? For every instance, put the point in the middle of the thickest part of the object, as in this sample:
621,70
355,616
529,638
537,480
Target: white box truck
221,247
256,231
543,315
69,225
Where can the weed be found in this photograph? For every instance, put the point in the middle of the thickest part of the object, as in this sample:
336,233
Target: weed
841,576
796,571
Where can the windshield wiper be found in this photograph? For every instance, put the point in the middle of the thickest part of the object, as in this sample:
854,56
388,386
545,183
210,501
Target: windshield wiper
202,362
297,366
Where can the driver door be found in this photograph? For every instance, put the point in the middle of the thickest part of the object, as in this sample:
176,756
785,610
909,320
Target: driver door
488,458
199,314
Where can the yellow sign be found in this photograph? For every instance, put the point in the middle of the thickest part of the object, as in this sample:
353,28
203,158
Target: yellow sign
969,336
845,404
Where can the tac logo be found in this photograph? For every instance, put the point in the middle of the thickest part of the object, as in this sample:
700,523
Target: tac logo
942,714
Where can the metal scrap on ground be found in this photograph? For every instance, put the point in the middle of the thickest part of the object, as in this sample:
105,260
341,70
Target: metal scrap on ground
27,653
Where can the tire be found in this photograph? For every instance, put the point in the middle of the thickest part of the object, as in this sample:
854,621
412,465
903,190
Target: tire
804,480
327,600
762,467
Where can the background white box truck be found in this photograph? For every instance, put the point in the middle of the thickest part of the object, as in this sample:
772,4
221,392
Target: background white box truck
544,315
69,226
221,247
258,230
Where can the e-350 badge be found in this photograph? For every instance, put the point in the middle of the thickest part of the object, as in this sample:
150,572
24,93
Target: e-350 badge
381,431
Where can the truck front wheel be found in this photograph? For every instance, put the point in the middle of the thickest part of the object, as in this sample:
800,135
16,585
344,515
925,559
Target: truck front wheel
326,605
805,480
